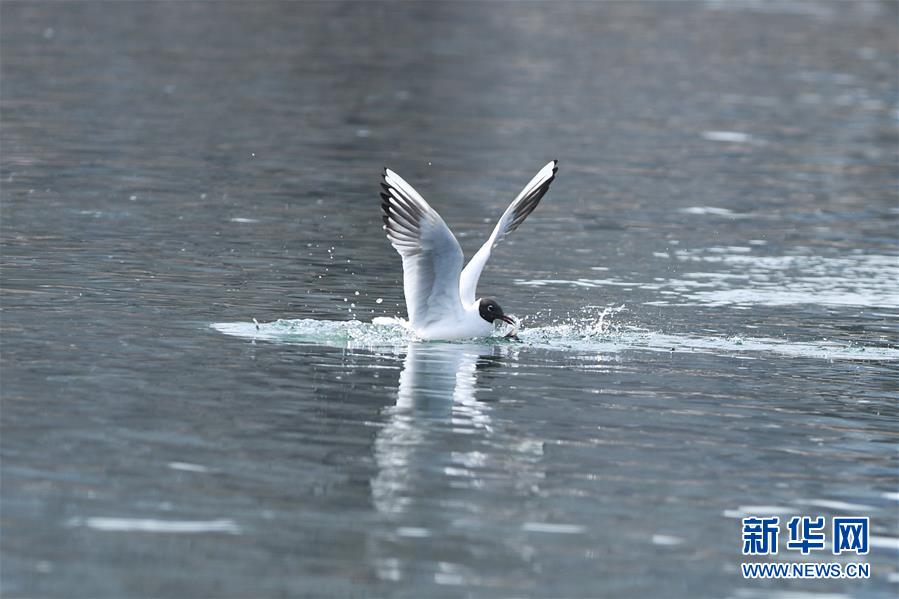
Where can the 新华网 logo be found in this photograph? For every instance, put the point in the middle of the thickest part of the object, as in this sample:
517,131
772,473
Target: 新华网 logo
805,534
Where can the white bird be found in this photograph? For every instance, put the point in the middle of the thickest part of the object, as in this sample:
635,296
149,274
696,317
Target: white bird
440,295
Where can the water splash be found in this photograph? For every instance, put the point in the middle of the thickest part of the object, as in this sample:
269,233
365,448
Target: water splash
610,310
350,334
157,526
598,333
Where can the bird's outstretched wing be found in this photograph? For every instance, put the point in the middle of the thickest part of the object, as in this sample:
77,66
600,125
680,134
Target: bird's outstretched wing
432,258
514,215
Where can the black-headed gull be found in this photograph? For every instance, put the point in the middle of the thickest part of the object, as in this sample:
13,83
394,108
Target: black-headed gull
440,295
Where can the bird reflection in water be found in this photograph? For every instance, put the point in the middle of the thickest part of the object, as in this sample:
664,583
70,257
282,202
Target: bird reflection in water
436,399
438,456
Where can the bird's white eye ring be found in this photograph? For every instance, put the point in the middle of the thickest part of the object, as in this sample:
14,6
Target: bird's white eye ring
490,308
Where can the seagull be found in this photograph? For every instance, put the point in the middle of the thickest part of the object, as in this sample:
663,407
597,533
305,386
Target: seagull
441,296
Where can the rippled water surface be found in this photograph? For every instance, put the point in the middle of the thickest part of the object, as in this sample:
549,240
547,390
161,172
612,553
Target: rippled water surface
197,403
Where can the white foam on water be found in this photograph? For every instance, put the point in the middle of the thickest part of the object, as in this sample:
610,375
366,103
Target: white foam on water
350,334
735,276
867,280
666,540
891,543
157,526
758,510
588,283
840,506
776,7
576,337
736,137
187,467
413,531
712,211
548,527
594,334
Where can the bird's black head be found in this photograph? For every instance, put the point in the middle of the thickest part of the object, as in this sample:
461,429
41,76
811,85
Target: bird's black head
491,311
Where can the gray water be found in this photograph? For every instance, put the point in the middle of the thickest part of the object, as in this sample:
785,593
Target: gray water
709,295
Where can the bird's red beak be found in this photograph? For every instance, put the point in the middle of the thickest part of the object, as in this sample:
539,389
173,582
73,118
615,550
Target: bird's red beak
506,319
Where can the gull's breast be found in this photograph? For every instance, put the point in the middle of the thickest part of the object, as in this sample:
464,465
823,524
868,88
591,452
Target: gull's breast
467,326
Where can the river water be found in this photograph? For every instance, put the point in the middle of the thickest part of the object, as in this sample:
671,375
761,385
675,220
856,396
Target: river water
708,292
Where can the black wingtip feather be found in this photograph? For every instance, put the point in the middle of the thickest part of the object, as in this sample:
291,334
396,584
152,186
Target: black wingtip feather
530,202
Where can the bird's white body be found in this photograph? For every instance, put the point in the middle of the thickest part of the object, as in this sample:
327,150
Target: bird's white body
441,295
465,325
